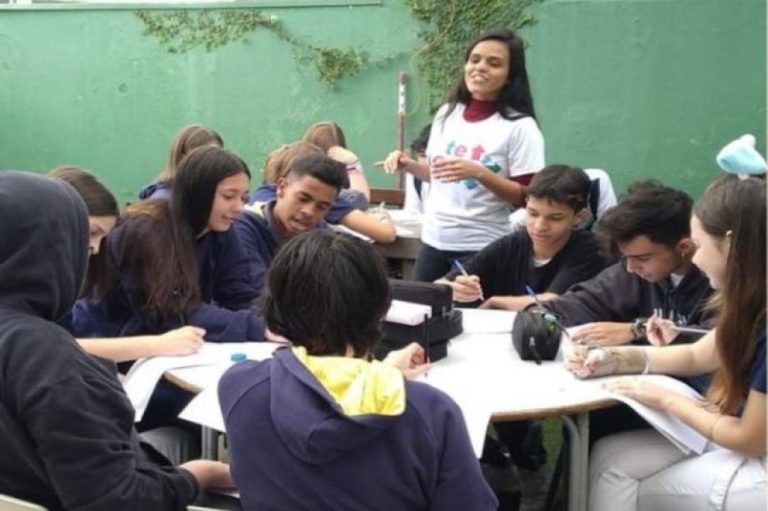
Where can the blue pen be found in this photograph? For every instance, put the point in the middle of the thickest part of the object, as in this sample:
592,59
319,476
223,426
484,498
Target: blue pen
463,271
548,316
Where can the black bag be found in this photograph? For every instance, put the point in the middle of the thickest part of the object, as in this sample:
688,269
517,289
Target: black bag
435,332
536,334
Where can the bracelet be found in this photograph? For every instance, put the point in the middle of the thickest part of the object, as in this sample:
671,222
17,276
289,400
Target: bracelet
354,166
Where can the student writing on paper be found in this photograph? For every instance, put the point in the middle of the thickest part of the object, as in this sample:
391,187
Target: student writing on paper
66,425
177,262
376,224
549,256
641,469
102,216
649,229
320,426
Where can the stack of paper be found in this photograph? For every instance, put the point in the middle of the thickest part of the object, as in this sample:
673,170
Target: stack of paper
676,431
408,313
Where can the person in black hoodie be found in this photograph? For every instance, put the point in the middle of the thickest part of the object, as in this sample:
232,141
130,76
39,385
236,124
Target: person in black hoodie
66,426
649,229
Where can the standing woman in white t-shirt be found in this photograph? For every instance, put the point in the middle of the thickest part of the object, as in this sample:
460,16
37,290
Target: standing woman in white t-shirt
484,148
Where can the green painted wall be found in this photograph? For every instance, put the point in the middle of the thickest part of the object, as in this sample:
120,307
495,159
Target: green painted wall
641,88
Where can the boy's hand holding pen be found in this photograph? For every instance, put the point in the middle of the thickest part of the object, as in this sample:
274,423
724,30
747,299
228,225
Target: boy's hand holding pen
466,287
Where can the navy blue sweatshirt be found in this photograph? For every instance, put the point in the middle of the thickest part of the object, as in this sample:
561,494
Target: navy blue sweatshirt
294,446
227,294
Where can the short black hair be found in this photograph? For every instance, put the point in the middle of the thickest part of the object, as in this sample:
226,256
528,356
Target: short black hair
562,184
327,291
650,209
323,168
419,144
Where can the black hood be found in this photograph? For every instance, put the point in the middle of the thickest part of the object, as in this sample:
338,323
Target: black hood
43,244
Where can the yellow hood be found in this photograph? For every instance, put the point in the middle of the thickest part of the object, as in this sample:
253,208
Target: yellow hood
358,386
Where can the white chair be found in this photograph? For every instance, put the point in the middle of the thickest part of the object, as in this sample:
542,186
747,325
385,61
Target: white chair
602,197
8,503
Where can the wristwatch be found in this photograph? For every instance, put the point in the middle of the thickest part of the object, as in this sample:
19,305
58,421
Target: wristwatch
639,328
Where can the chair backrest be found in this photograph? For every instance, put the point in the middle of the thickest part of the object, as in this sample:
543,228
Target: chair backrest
391,196
8,503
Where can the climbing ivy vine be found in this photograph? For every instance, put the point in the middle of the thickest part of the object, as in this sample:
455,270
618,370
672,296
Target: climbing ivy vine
180,31
448,26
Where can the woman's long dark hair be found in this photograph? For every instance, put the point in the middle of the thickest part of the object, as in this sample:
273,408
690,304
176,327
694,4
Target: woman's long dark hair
158,238
99,201
514,100
736,208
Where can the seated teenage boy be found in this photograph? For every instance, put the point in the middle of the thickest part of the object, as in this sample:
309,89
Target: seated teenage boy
303,197
650,229
321,427
549,256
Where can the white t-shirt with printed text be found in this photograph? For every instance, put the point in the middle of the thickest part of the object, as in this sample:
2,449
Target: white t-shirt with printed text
465,216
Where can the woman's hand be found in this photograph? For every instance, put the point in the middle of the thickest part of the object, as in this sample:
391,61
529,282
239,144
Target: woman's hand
397,161
576,362
660,332
642,392
182,341
450,170
411,360
342,155
587,362
604,334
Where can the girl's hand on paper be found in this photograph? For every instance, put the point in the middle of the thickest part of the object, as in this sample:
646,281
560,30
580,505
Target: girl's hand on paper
604,333
660,332
641,391
411,360
182,341
466,288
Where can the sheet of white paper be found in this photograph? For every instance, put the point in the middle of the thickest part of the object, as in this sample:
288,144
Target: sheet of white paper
682,435
347,230
487,321
143,376
475,409
408,313
204,409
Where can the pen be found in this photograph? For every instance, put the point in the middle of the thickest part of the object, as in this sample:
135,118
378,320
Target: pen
378,163
463,271
690,330
426,341
548,315
532,294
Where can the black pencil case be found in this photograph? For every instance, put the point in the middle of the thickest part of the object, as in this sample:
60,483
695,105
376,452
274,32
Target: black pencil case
435,332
